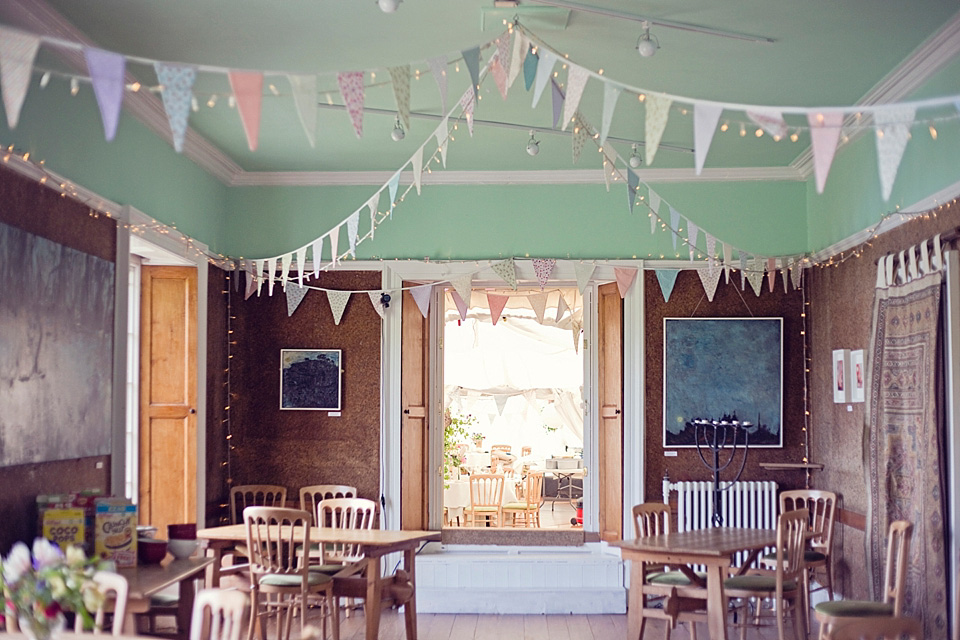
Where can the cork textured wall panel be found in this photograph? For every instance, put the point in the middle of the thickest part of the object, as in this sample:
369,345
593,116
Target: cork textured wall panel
295,448
221,296
688,300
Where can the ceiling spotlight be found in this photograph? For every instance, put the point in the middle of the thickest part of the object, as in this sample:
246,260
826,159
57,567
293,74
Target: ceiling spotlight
647,45
398,133
388,6
533,147
635,159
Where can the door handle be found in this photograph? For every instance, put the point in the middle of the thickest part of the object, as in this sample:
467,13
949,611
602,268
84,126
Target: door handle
192,410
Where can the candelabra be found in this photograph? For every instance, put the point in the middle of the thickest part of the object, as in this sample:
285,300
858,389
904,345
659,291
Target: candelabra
715,436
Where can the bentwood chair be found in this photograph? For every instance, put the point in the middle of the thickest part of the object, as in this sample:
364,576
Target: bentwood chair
115,590
311,496
218,614
650,519
279,540
527,510
835,612
486,500
882,628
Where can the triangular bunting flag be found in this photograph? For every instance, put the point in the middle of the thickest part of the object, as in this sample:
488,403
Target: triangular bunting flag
338,302
442,133
658,110
258,267
438,67
501,400
285,261
625,277
755,275
252,283
421,295
18,50
507,270
705,118
654,202
538,302
392,185
727,262
301,259
372,205
530,64
771,273
743,270
334,241
467,102
575,328
496,304
462,306
557,101
295,295
611,93
316,255
709,278
824,135
609,155
580,135
271,274
375,301
561,307
711,250
796,274
674,226
503,58
667,278
499,77
770,121
304,88
633,183
471,58
247,87
106,73
351,89
692,231
584,271
543,267
544,70
417,162
516,58
400,79
577,78
893,131
784,276
177,82
463,286
353,223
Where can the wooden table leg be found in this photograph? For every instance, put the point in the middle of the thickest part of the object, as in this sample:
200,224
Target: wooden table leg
371,606
716,602
185,605
410,607
215,551
635,601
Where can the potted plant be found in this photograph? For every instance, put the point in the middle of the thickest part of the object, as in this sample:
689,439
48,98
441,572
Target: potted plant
454,434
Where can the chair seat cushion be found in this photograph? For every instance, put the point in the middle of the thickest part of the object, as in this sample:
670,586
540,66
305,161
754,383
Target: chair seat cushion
164,600
517,505
854,609
314,578
808,556
757,583
489,509
326,568
671,578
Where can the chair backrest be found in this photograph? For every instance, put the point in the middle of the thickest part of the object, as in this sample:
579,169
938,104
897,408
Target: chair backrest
345,513
311,496
533,489
486,490
650,519
792,527
822,508
218,614
895,572
254,495
108,583
525,451
885,628
506,448
278,541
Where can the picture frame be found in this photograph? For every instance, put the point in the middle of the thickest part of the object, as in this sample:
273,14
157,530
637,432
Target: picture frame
858,374
310,379
841,375
723,368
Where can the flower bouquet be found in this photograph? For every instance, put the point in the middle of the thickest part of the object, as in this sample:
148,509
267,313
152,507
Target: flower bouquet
40,587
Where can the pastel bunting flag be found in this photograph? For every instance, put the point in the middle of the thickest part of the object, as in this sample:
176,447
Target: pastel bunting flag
438,67
625,277
743,270
633,183
471,58
375,301
271,274
18,50
530,65
654,202
247,87
372,204
463,285
674,226
770,121
392,185
557,94
499,76
893,132
501,400
334,242
784,275
705,118
577,78
516,58
462,306
177,82
755,275
338,302
301,260
316,255
824,135
727,262
351,89
796,274
580,135
711,249
503,56
304,88
258,267
421,295
442,134
507,270
107,71
353,224
583,271
575,328
252,284
467,102
611,93
417,163
544,71
667,278
657,112
653,223
562,308
496,303
400,79
285,261
609,156
692,231
538,302
771,273
543,267
295,295
709,278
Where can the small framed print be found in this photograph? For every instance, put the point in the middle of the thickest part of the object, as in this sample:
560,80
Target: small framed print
857,376
841,375
310,379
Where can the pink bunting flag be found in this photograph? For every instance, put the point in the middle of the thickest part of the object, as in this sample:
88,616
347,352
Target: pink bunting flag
503,59
496,304
538,302
625,277
106,73
770,121
351,88
177,81
247,87
461,305
499,77
543,267
421,295
18,50
824,135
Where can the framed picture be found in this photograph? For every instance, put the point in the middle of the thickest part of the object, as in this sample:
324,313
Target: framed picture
841,375
723,368
310,379
857,376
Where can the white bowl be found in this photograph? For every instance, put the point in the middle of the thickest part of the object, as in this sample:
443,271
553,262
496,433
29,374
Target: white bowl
182,548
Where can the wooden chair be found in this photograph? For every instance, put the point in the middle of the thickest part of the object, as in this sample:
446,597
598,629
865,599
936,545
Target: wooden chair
525,451
255,495
835,612
650,519
882,628
311,496
343,513
115,590
486,499
218,614
784,584
527,510
279,540
495,460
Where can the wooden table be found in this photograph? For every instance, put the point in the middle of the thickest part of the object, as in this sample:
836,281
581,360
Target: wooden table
400,587
712,548
149,579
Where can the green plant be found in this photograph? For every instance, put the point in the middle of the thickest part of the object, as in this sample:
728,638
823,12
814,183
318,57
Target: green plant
454,435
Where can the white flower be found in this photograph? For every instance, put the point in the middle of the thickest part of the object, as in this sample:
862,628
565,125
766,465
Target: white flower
75,556
17,563
46,553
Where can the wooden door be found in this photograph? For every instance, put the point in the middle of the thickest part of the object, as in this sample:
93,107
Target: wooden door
414,396
168,396
610,393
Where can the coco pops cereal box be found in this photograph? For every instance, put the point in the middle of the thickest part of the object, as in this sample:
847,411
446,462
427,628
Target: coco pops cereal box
115,531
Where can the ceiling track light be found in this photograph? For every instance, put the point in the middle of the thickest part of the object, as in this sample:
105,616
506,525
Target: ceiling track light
388,6
533,146
647,45
398,133
635,159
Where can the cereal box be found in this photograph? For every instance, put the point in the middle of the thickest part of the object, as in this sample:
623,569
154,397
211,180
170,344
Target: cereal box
65,527
115,531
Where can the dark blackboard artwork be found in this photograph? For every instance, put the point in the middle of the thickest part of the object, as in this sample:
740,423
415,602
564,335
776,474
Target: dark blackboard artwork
723,369
310,379
56,350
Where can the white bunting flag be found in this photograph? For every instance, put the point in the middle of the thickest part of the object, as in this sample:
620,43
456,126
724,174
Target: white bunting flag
584,271
727,262
253,282
463,286
400,79
543,267
501,400
654,203
924,265
516,59
285,261
107,71
692,231
674,226
667,278
295,295
709,277
421,295
538,302
496,303
658,110
461,304
936,259
177,82
438,67
561,308
316,254
271,274
301,259
375,301
771,273
784,275
577,78
893,132
711,250
653,222
304,88
338,302
18,50
507,270
912,267
258,266
611,93
770,121
743,271
755,275
392,185
353,223
372,204
705,118
544,71
334,242
824,135
625,277
417,162
442,134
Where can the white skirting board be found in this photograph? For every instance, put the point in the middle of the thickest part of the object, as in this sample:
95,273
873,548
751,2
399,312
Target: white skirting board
501,580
